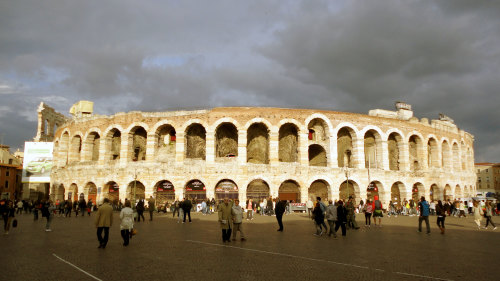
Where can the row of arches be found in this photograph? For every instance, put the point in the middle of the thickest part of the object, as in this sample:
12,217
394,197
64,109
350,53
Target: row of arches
367,148
258,189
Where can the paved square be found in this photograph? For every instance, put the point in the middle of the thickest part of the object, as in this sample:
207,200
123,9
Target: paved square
167,250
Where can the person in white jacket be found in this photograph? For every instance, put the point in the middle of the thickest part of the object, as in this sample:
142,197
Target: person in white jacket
237,213
127,222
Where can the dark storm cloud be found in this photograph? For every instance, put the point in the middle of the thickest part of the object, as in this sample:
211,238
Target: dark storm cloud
440,56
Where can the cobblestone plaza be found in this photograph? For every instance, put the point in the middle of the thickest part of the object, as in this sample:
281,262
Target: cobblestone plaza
167,250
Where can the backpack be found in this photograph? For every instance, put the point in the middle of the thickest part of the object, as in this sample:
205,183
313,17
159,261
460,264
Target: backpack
424,210
378,205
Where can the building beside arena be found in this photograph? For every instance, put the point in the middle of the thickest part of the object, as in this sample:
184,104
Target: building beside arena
253,152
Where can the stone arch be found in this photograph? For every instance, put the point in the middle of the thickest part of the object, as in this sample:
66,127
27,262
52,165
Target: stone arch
220,121
195,189
92,143
373,149
458,192
258,144
137,139
375,188
435,192
417,191
433,160
346,148
60,192
73,189
319,188
447,193
326,120
395,151
90,191
258,120
226,188
446,156
288,147
300,127
416,152
317,155
64,148
226,140
195,141
258,189
136,188
397,189
112,142
289,190
75,148
165,142
319,131
111,190
164,192
463,155
347,189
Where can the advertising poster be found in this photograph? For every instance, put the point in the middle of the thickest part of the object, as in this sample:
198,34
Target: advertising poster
37,162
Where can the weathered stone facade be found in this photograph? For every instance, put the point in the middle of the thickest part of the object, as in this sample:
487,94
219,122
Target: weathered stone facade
257,152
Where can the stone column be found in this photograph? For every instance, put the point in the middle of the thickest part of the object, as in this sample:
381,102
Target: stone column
333,161
242,147
358,153
210,147
273,147
125,150
385,155
179,148
304,150
404,156
151,147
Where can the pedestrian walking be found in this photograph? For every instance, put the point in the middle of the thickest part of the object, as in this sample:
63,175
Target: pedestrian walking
279,211
68,207
331,217
226,219
341,218
441,215
8,213
237,213
319,219
488,214
83,205
368,210
140,210
378,211
478,214
186,207
48,208
151,207
176,208
424,215
103,220
127,222
89,207
250,209
351,219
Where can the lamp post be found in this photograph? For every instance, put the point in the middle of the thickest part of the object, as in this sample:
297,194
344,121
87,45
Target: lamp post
135,182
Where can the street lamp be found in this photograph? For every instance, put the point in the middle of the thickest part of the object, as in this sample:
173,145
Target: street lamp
135,182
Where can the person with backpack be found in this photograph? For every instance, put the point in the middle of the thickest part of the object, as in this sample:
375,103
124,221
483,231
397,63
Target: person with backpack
441,215
378,212
319,219
424,215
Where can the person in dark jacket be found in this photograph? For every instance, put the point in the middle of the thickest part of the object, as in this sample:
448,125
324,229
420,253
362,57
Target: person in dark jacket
83,205
341,218
186,207
280,210
140,210
8,211
319,219
441,215
151,207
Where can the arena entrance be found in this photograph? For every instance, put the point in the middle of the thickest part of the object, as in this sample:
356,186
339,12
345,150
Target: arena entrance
373,190
396,192
319,188
447,195
73,192
434,192
417,192
164,192
347,189
196,190
289,190
257,190
137,188
226,189
111,191
60,193
91,191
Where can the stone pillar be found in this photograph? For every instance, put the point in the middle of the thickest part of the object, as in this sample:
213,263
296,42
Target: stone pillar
104,151
358,153
179,148
210,147
333,161
151,145
125,150
273,147
404,156
385,155
242,147
304,150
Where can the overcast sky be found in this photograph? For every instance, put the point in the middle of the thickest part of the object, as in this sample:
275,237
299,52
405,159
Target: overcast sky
439,56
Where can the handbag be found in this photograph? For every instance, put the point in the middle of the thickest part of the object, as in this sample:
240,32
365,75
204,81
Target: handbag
133,231
14,223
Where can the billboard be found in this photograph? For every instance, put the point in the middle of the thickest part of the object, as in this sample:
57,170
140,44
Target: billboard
37,162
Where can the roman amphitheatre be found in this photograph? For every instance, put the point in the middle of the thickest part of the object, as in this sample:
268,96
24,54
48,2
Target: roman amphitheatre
256,152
